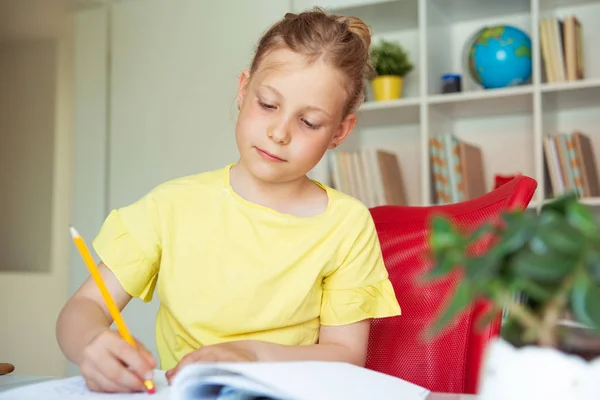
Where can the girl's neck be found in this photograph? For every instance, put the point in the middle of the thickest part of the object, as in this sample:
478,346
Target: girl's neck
297,197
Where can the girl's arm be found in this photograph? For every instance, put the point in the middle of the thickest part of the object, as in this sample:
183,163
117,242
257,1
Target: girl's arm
85,314
346,343
107,362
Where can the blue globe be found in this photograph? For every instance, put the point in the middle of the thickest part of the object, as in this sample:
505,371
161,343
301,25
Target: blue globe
500,56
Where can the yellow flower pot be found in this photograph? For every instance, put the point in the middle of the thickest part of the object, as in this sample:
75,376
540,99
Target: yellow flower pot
387,87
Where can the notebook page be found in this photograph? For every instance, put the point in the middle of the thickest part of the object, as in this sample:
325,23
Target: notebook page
313,380
211,384
74,388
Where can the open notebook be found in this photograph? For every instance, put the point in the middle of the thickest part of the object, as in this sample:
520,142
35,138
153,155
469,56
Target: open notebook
298,380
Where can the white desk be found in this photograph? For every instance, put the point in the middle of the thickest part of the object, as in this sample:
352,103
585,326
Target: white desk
14,380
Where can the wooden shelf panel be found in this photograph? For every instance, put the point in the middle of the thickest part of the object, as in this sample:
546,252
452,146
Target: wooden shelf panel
588,201
569,95
551,5
515,100
401,111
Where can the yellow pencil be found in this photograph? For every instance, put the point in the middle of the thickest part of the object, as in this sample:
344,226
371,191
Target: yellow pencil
110,303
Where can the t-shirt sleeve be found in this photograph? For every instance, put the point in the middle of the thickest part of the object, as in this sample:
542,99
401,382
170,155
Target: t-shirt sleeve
129,243
359,288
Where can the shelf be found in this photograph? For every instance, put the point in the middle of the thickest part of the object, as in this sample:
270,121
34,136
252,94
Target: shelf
387,104
591,201
448,40
401,111
515,100
507,124
465,10
546,5
588,201
569,95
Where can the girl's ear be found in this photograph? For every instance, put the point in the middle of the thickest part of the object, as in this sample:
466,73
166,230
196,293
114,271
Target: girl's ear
242,86
343,131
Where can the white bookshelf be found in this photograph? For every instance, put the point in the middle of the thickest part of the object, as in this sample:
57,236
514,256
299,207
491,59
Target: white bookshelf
508,124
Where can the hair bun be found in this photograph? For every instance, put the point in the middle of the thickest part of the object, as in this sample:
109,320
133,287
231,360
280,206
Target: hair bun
363,31
358,27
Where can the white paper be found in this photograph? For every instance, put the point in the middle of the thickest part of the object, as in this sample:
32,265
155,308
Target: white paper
303,380
297,380
75,389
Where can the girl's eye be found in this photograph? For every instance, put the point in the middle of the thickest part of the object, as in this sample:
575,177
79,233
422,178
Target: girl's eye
267,106
309,125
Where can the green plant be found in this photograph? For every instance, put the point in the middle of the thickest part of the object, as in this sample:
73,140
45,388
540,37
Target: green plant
553,257
389,58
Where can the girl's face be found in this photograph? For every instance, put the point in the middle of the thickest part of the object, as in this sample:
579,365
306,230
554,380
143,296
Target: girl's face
290,114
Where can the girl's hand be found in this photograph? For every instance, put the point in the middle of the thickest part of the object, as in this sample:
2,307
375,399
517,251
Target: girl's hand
110,364
222,352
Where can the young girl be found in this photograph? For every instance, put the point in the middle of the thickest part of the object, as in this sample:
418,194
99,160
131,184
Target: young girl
254,261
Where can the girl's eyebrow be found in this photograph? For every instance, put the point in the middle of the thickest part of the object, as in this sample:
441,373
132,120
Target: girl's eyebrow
314,108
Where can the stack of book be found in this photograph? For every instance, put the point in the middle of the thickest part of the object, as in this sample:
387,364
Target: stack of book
457,171
372,176
562,49
571,164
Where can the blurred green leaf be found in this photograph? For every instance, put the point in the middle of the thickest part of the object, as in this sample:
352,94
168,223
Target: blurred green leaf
593,265
582,218
461,298
535,290
560,204
446,261
481,269
443,234
585,301
480,232
537,254
484,320
556,234
542,268
538,245
519,229
592,306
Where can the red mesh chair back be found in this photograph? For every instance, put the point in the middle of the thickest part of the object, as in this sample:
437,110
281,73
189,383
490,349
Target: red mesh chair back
397,346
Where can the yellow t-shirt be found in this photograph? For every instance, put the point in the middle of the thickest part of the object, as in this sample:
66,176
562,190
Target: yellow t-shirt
229,269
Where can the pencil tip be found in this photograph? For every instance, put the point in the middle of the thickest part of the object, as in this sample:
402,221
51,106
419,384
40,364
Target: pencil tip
74,232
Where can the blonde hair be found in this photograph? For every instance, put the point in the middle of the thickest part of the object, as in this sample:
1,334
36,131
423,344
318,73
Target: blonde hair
341,41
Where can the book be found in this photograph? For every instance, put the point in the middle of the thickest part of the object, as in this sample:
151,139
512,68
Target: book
561,42
372,176
291,380
570,165
457,169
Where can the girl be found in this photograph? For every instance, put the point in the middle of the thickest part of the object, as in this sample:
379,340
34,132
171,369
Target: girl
254,261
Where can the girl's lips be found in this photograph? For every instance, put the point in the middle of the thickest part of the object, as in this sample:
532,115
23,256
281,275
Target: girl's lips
268,156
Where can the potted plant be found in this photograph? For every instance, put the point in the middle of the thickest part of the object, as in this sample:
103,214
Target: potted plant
391,65
549,347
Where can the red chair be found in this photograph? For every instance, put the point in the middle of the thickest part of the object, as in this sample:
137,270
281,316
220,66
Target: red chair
450,362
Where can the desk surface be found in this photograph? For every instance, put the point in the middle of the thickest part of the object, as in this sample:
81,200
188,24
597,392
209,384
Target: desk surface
14,380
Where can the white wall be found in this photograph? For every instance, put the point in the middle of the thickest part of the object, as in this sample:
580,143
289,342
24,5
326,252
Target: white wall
171,84
31,301
90,142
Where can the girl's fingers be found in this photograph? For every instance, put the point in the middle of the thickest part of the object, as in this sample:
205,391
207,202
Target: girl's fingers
113,369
